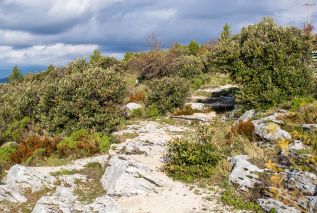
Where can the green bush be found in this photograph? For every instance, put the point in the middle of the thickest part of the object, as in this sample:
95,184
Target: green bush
82,143
194,157
6,152
15,130
187,66
167,93
270,62
91,99
152,111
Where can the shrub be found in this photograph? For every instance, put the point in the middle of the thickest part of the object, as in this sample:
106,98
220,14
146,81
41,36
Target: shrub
91,99
152,65
15,130
81,144
270,62
188,159
152,111
6,152
31,144
167,93
187,66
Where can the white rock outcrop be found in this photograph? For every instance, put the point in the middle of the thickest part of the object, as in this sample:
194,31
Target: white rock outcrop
21,177
133,106
244,173
124,177
7,194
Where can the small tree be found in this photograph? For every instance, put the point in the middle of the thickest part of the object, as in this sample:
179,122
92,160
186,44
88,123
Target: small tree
193,47
226,32
16,75
95,57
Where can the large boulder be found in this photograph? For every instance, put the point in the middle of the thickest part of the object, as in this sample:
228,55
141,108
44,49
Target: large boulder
269,204
7,194
20,178
244,173
124,177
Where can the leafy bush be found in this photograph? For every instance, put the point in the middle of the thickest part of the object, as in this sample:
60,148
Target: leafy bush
81,143
6,152
192,158
270,62
152,111
15,130
167,93
90,99
188,66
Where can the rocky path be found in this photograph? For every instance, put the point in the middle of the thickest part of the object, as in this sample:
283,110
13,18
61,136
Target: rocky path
132,181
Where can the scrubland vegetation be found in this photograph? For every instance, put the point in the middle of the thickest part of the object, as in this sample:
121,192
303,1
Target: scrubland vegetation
67,113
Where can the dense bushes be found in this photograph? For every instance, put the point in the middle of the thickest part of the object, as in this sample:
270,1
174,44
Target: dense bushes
91,99
270,62
167,93
63,100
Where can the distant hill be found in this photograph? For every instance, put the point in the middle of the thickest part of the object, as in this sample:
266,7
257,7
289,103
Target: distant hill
3,80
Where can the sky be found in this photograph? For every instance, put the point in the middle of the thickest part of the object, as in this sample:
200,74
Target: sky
36,33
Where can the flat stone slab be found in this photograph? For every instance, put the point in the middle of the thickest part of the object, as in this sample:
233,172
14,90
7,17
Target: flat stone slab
204,117
125,177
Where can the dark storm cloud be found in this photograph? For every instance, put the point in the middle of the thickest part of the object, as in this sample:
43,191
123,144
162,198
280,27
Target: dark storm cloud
30,27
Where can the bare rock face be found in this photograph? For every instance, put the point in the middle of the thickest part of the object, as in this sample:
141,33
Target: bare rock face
20,178
304,182
270,203
244,173
124,177
64,200
248,115
7,194
270,131
61,201
312,204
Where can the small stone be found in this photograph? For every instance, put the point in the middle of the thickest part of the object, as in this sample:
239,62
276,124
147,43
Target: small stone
133,106
270,131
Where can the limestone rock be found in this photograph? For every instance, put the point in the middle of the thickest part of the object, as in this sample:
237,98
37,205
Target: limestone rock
269,203
61,201
104,204
204,117
133,106
248,115
124,177
197,106
305,182
21,177
7,194
312,204
296,146
243,172
310,127
270,131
